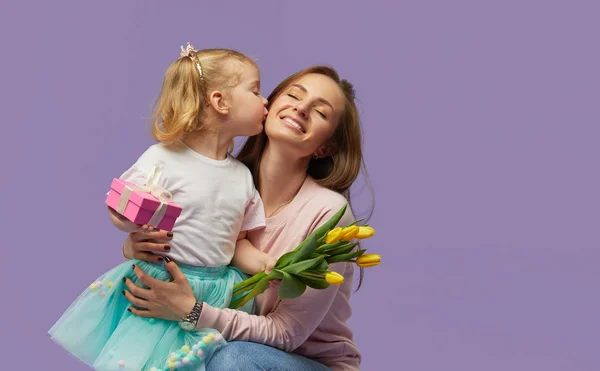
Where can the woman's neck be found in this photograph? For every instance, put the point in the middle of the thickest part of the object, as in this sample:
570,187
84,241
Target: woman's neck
280,178
209,143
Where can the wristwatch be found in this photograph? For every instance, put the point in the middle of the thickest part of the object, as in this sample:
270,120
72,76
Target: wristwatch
188,323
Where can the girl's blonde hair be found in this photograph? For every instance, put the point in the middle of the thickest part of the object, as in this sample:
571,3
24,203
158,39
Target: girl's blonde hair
181,105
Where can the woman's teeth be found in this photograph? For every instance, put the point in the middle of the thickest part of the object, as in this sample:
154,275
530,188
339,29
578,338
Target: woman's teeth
294,124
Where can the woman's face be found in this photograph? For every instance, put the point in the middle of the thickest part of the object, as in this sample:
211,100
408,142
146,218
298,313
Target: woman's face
306,114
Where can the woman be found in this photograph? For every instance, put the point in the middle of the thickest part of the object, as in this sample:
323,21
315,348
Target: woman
303,164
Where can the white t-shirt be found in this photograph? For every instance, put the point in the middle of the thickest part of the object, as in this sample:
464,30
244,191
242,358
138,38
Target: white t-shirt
217,197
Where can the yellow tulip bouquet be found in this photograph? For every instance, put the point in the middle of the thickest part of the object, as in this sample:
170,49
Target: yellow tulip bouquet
308,264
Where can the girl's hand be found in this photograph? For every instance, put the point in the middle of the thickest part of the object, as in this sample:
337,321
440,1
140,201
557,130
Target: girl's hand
170,301
146,244
269,263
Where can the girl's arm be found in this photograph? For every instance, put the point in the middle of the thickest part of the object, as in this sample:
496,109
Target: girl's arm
249,259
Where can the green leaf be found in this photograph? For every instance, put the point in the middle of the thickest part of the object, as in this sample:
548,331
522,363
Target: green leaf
323,266
285,259
296,268
311,240
245,284
291,287
275,274
329,246
307,250
242,290
315,283
344,257
299,247
322,231
260,287
342,249
355,222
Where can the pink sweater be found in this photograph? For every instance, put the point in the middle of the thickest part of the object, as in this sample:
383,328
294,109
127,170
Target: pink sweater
313,325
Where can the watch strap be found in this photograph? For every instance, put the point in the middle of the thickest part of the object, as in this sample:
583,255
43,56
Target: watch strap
194,314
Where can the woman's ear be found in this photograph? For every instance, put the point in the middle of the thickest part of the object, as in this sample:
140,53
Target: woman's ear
218,102
326,150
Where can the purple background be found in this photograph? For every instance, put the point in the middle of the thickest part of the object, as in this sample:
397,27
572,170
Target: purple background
481,128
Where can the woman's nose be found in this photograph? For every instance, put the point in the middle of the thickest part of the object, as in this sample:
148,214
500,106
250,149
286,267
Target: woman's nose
302,110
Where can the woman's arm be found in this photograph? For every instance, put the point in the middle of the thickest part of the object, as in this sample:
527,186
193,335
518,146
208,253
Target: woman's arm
293,320
286,328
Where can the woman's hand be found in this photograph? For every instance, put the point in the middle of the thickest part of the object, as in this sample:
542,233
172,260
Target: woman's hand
145,245
170,301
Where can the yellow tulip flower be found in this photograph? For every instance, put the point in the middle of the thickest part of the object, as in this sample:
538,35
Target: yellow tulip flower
365,232
334,278
368,260
333,236
349,233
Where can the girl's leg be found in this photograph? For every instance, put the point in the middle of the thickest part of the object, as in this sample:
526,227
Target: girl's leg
247,356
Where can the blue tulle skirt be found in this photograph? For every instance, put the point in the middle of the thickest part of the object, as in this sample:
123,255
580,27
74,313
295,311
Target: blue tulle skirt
99,330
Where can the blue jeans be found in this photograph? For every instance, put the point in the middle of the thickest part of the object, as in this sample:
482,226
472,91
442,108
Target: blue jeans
247,356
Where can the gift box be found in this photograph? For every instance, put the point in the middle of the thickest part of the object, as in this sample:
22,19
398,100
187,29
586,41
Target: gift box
143,205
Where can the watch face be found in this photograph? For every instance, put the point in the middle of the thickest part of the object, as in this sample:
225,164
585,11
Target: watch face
187,326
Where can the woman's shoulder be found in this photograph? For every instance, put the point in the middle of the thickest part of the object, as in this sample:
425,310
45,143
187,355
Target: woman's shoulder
316,193
323,202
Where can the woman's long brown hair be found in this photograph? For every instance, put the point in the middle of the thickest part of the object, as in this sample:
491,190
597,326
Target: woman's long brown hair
336,172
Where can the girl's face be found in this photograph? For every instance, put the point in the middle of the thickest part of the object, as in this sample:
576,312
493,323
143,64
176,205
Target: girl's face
248,106
306,114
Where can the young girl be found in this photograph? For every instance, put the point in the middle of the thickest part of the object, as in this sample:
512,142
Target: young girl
304,177
208,97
